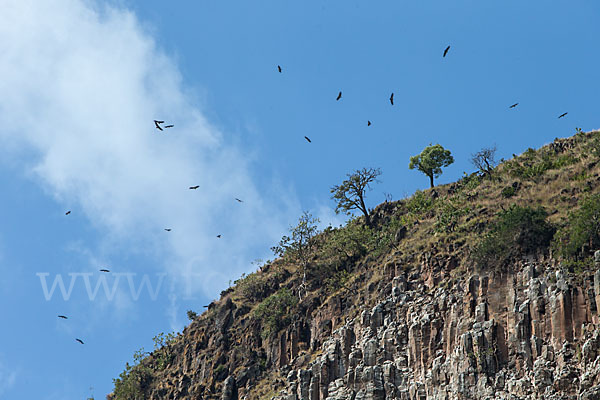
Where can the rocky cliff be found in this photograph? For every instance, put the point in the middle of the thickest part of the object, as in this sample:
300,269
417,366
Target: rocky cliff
403,310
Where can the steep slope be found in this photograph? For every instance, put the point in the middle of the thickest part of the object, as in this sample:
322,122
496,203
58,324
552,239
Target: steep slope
459,292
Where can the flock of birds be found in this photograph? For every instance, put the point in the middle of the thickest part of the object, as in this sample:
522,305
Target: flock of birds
159,125
339,96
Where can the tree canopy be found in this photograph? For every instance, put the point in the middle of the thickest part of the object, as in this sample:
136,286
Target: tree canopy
431,160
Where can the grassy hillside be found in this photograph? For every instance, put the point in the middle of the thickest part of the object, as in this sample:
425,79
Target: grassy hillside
541,203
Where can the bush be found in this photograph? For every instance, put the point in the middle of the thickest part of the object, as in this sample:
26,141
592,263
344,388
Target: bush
448,214
253,286
518,230
345,243
131,383
192,315
509,191
274,311
419,203
531,165
582,232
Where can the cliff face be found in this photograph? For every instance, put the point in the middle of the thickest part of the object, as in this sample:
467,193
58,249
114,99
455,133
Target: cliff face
409,315
527,334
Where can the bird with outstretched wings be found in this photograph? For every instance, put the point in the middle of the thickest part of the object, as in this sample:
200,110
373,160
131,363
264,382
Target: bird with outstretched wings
104,270
194,187
446,51
279,68
79,340
307,139
339,96
514,105
63,317
562,115
392,99
157,124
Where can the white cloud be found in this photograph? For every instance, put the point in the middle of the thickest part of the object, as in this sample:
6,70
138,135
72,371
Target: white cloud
81,85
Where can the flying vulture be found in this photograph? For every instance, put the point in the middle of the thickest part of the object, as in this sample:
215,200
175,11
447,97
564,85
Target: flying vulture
239,201
339,96
562,115
63,317
307,139
104,270
194,187
514,105
219,236
279,68
68,212
79,340
368,123
169,126
392,99
168,229
157,124
446,51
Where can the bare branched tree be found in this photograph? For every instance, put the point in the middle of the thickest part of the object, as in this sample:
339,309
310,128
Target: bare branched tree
350,195
485,159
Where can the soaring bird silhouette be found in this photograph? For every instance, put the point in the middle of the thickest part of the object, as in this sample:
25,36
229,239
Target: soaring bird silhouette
339,96
219,236
79,340
514,105
239,201
562,115
279,68
307,139
392,99
169,126
68,212
368,123
104,270
194,187
168,229
63,317
446,51
157,124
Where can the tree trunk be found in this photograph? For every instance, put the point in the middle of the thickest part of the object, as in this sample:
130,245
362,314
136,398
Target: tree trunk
365,211
431,180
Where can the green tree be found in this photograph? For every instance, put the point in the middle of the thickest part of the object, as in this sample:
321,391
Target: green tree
350,195
431,160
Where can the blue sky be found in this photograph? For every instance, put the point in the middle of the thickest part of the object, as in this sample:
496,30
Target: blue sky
83,80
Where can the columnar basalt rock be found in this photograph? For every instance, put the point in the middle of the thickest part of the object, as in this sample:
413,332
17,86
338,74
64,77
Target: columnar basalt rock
531,334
